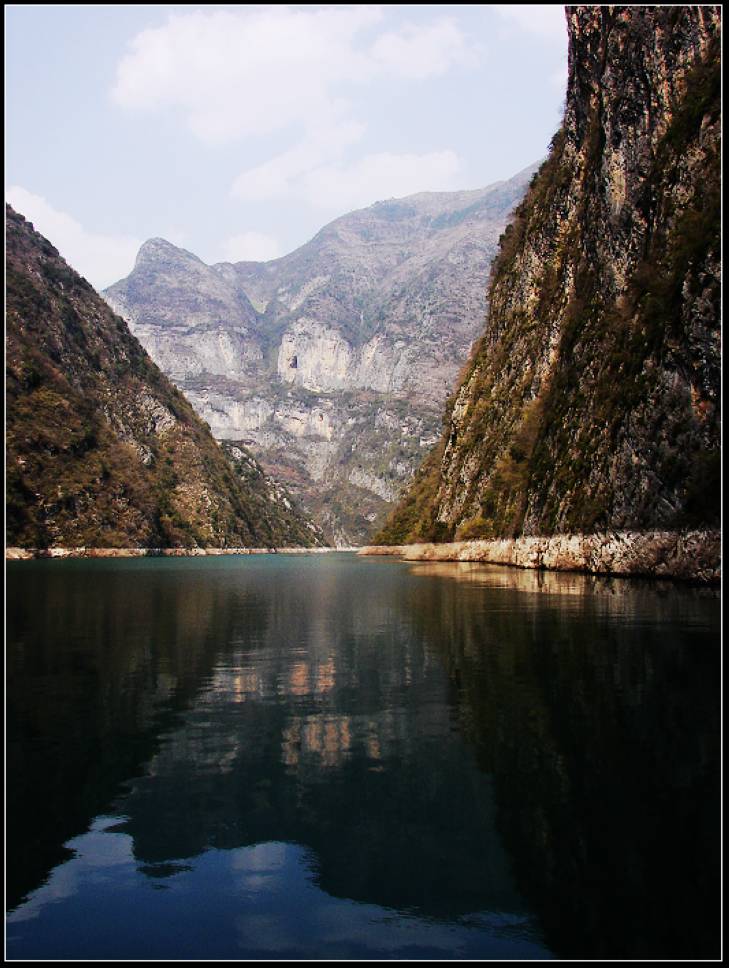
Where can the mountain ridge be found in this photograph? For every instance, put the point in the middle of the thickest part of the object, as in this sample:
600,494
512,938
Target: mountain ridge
102,450
333,361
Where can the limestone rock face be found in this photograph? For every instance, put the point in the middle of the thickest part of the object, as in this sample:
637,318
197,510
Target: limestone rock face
591,403
332,363
102,450
186,329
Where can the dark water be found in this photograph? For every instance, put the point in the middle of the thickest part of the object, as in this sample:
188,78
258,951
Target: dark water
332,757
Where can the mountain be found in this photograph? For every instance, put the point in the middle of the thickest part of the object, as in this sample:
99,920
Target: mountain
592,401
101,449
331,363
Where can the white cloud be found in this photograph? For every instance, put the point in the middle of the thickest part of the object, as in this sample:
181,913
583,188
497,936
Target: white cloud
102,259
340,188
254,70
546,22
244,72
251,247
544,19
420,52
315,172
275,178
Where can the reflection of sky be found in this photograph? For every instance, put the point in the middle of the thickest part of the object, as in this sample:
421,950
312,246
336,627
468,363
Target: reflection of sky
99,856
258,901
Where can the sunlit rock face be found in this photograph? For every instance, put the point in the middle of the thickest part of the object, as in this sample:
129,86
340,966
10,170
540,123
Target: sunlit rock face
688,555
591,403
334,362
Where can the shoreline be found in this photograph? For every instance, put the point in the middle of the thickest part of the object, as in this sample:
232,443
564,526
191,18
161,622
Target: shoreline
34,554
693,556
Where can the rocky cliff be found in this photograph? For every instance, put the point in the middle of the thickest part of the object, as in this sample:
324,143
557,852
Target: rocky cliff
332,363
591,403
102,450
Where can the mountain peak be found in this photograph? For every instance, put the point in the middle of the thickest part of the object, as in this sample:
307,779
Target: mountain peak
158,250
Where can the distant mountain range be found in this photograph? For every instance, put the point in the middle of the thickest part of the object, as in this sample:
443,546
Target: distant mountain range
332,363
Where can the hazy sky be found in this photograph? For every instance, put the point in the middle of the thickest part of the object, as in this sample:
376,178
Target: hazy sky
237,131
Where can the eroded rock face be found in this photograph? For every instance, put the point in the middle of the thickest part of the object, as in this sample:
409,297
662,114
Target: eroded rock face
592,401
334,362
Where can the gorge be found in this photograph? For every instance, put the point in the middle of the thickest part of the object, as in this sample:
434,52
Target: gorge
332,364
230,736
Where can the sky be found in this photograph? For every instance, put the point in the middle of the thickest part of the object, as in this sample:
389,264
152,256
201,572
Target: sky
238,131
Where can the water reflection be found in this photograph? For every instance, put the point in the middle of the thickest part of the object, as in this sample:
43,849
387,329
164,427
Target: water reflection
598,717
629,600
470,762
262,901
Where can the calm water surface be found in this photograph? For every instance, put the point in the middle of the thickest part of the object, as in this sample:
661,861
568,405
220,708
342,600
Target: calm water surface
332,757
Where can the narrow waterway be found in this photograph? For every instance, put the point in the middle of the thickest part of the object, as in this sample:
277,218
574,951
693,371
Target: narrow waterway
335,757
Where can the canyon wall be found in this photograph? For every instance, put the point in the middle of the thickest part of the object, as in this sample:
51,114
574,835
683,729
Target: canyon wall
591,403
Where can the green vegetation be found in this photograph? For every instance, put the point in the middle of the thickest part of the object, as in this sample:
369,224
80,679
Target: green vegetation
552,179
702,101
414,518
284,526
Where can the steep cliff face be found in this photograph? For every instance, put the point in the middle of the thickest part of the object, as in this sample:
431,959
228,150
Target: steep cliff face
332,363
592,400
101,449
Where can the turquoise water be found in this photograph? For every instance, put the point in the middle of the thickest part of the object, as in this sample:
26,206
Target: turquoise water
337,757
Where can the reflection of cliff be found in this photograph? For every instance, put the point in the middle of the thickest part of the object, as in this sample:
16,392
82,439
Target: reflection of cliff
116,680
345,746
614,596
602,738
268,702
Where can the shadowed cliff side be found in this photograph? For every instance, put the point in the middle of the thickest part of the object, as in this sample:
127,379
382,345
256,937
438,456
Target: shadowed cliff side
592,401
101,449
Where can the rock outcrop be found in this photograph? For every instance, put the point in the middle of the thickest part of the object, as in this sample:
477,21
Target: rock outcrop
591,403
102,450
332,363
693,556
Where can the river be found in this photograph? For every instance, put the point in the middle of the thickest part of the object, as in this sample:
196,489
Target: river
326,756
